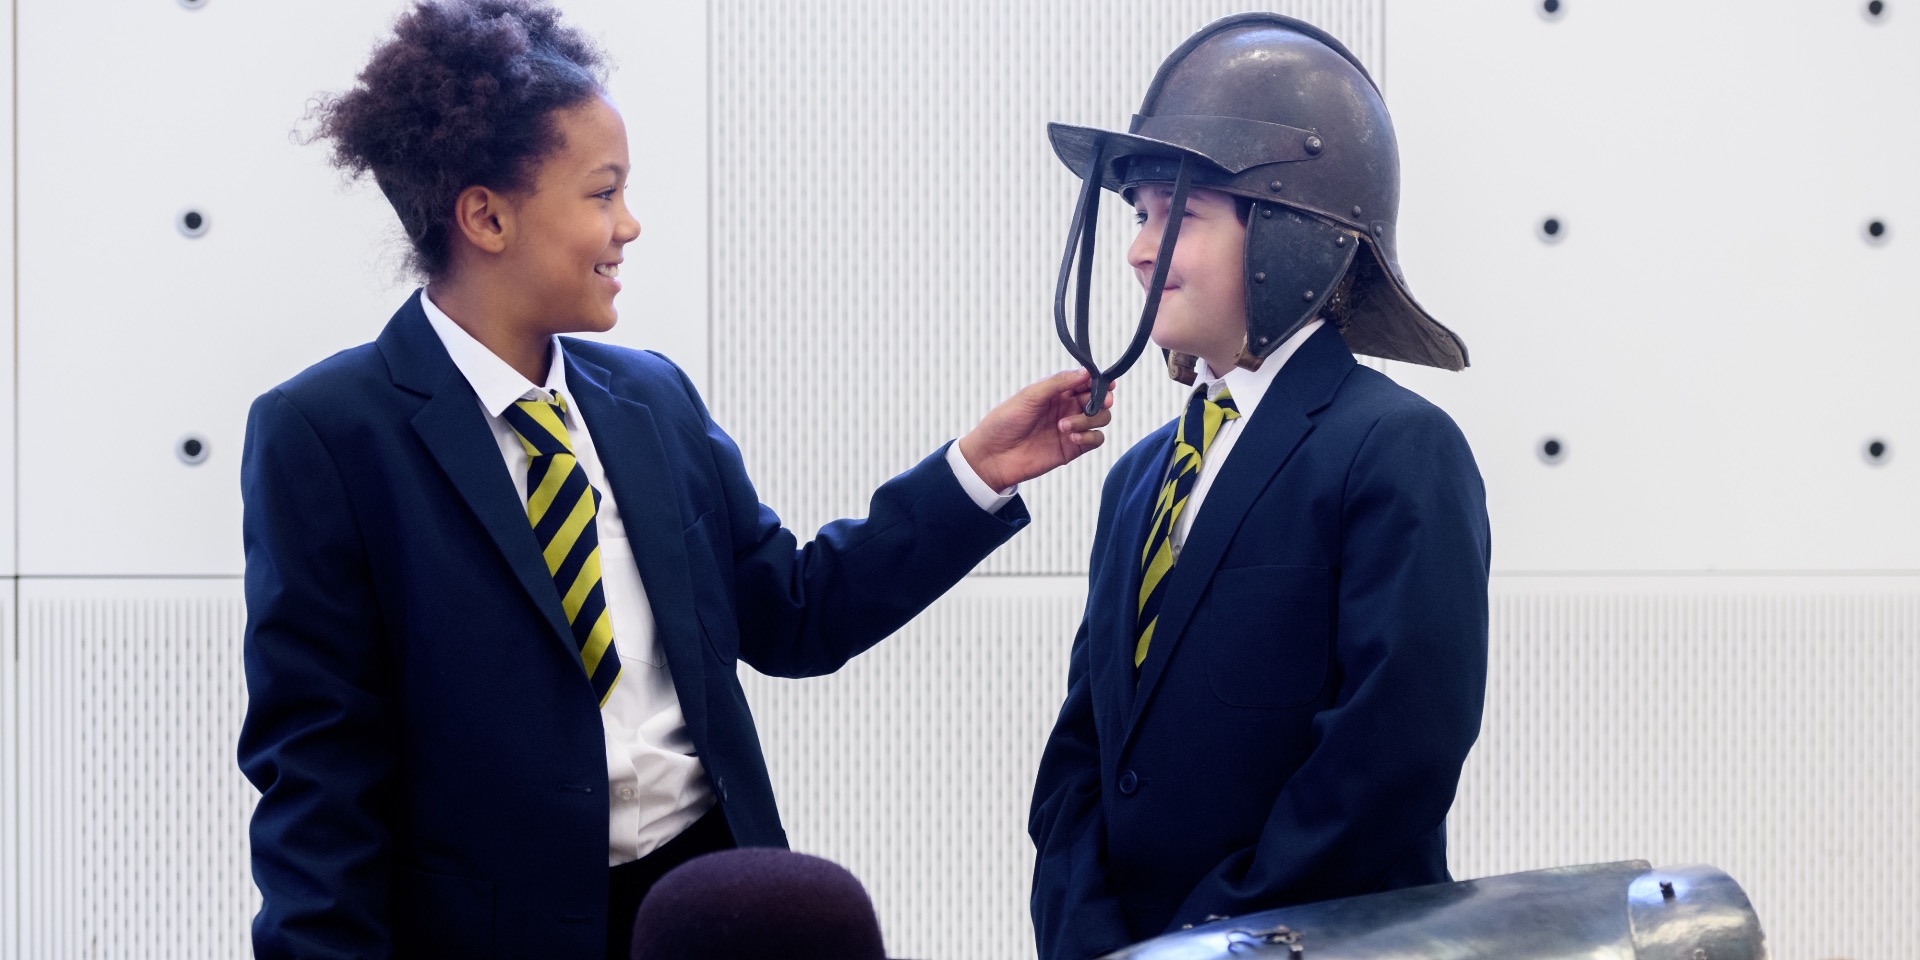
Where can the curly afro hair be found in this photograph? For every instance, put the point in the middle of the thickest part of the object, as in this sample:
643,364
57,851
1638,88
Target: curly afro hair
463,95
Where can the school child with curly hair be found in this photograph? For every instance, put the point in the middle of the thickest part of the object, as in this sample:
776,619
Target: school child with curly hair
498,579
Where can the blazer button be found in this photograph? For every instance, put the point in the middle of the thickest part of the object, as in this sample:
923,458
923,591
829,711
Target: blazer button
1129,783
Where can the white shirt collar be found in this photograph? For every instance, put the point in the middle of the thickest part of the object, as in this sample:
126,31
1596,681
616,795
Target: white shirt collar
1250,386
496,383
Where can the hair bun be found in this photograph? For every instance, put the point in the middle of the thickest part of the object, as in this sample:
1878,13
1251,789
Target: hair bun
461,96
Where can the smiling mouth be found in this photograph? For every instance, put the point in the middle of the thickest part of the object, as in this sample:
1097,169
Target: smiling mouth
609,270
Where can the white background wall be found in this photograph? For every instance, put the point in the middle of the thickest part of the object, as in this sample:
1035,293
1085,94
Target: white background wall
1705,617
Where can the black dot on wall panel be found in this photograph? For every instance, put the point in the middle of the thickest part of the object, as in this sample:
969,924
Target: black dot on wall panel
1551,230
1876,10
193,4
192,450
1876,231
1551,451
1551,9
192,223
1878,452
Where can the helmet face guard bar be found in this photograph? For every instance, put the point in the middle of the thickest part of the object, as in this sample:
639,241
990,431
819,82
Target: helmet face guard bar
1080,235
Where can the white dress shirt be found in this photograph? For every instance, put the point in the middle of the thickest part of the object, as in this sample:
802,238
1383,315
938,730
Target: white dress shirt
1249,387
656,784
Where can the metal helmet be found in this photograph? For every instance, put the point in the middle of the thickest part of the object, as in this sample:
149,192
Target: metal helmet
1274,110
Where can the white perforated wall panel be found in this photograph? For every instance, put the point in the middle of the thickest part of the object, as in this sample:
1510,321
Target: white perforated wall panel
1716,339
9,541
1762,725
10,823
134,114
888,220
913,765
134,814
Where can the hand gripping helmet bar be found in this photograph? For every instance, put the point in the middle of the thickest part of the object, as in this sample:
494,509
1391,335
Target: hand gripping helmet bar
1276,111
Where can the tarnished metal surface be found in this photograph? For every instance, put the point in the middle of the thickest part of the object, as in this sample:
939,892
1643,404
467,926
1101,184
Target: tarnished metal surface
1607,911
1274,110
1692,913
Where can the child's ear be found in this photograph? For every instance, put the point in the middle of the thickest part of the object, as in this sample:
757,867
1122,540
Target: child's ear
484,217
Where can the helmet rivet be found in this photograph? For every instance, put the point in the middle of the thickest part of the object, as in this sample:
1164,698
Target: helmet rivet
1307,296
1356,211
1275,186
1340,241
1313,144
1266,212
1260,278
1378,229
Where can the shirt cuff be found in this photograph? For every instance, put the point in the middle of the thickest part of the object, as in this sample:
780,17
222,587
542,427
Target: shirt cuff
989,499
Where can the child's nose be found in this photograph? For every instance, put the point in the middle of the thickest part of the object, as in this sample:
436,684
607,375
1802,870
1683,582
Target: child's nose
1146,245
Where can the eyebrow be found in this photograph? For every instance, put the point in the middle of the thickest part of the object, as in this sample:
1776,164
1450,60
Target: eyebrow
614,168
1159,191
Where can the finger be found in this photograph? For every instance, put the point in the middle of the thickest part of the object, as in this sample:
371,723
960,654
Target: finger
1066,381
1080,421
1080,399
1087,439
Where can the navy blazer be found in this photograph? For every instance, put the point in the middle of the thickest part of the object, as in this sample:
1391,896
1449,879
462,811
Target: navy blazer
427,748
1298,727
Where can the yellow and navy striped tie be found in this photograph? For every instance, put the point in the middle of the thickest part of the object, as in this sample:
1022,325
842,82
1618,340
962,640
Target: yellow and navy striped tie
1203,420
561,504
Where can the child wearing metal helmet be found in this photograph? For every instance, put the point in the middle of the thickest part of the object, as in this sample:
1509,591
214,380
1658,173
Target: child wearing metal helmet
1282,661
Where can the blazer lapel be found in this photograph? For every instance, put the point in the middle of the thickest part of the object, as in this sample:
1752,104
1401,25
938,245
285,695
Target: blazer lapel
455,431
1300,389
634,455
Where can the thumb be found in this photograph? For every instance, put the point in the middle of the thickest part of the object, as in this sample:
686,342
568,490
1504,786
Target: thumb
1057,384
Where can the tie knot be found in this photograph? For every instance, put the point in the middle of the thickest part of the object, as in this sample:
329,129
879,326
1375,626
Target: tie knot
1204,419
1224,402
1216,410
540,424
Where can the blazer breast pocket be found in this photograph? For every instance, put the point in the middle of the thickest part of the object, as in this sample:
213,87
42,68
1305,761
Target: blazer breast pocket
1268,634
711,605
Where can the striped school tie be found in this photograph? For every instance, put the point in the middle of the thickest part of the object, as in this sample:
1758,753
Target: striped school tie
1203,419
561,504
